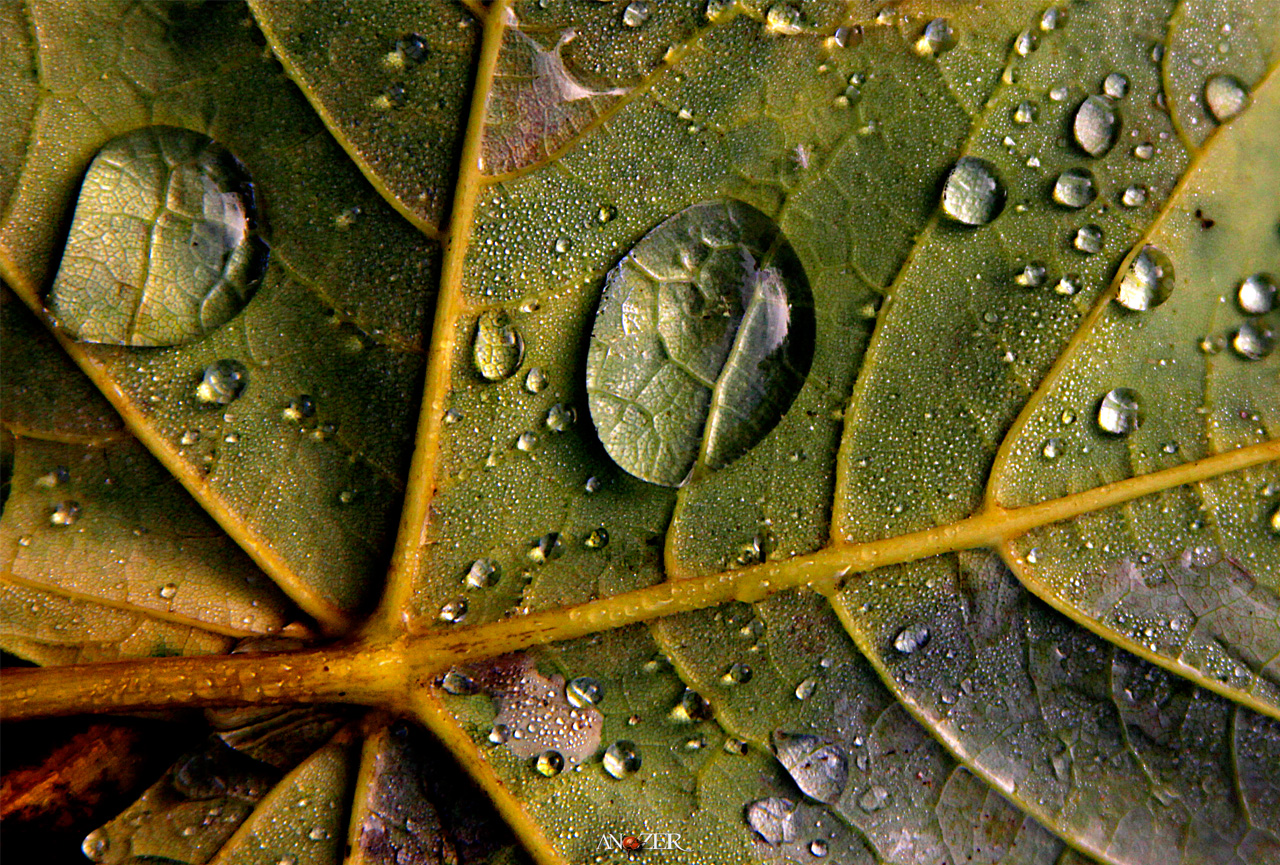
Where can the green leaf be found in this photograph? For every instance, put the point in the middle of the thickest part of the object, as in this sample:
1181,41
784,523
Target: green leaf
843,436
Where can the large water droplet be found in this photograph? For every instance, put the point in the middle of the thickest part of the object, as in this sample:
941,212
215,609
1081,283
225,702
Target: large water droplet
1115,85
1088,239
1148,282
938,36
65,514
549,763
818,848
1225,96
482,574
457,683
972,193
1096,125
911,639
222,383
1119,411
498,347
1257,294
164,245
1074,188
636,13
96,844
702,339
583,691
820,769
621,759
773,819
1253,340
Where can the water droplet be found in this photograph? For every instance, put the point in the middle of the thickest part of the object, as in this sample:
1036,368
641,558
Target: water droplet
592,485
499,733
563,244
1067,418
1274,520
1144,150
805,689
164,245
737,674
1088,240
1024,113
1059,93
65,514
1257,294
526,441
546,547
560,417
972,193
783,19
735,746
223,382
773,819
458,684
583,691
96,844
938,36
820,769
318,833
1068,286
911,638
710,312
168,591
1051,19
1096,125
498,347
190,437
412,47
692,707
621,759
1134,196
300,409
482,574
596,539
1031,276
549,763
1119,411
454,611
606,213
1253,340
1052,449
536,380
1115,85
1226,97
874,799
1212,344
1148,282
58,476
1074,188
818,848
635,14
1024,45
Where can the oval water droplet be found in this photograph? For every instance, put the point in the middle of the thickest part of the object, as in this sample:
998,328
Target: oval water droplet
583,691
773,819
703,337
1024,113
454,611
498,347
1226,96
65,514
1115,85
536,380
1257,294
457,683
1074,188
164,245
560,417
805,689
1068,286
482,574
545,548
972,193
820,769
1119,411
596,539
818,848
783,19
621,759
168,591
526,441
1088,240
937,37
549,763
911,639
1052,449
693,706
1273,521
1025,43
299,409
636,13
1096,125
1253,340
1144,151
737,674
1148,282
222,383
1031,276
96,844
1134,196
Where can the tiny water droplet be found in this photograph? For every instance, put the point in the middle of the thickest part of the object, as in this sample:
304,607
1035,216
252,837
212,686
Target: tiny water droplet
1074,188
1088,240
1148,282
168,591
563,244
1134,196
972,194
190,437
549,763
300,409
546,547
1052,449
818,848
1226,97
65,514
583,691
596,539
222,383
911,638
498,347
454,611
606,213
536,380
621,759
526,441
482,574
1257,294
874,799
1119,411
1096,126
1253,340
457,683
773,819
737,674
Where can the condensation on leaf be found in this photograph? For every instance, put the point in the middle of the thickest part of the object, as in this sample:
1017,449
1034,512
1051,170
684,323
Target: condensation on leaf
164,246
536,713
820,769
703,337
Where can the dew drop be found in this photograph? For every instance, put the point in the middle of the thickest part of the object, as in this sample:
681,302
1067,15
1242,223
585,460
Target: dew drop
1096,126
536,380
1144,150
96,844
482,574
549,763
458,684
499,733
1051,19
454,611
563,245
1068,286
1052,449
737,674
818,848
174,212
783,19
545,548
607,213
1119,411
911,638
1253,340
1257,294
693,706
190,437
526,441
65,514
1148,282
1088,240
592,485
819,768
874,799
168,591
621,759
412,47
938,36
1225,96
972,194
1274,520
1031,276
1024,44
1024,113
560,417
1134,196
498,347
805,689
635,14
318,833
1074,188
299,409
596,539
773,819
1115,85
222,383
1211,345
58,476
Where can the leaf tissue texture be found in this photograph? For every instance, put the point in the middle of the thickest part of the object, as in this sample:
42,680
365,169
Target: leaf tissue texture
725,432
